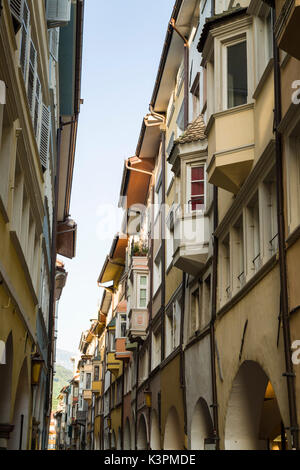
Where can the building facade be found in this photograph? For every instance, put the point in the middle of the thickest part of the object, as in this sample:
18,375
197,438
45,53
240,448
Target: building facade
33,184
200,303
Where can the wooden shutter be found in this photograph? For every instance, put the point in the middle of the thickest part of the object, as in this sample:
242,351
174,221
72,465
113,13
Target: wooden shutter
32,77
24,49
45,136
58,12
16,8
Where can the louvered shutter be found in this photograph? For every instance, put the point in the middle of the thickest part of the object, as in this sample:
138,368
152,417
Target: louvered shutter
24,49
58,12
16,8
32,77
45,136
54,42
37,106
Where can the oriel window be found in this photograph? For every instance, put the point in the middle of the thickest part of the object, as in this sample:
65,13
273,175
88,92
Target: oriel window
237,82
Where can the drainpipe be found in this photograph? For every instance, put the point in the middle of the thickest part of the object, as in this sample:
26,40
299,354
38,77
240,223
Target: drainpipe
186,72
136,395
289,373
212,323
122,409
163,242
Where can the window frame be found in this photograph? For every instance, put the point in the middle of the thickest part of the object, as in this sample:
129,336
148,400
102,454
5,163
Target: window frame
190,165
226,46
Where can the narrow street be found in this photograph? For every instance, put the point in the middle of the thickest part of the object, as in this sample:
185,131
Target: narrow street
149,227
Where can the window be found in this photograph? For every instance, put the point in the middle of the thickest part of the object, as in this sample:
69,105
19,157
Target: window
196,188
253,235
123,325
237,83
195,311
195,91
293,179
112,337
269,203
180,121
225,267
238,253
96,373
173,327
142,291
88,381
156,347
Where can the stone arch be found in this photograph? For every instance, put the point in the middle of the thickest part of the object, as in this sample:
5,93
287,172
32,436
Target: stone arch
142,441
155,433
6,381
18,438
201,426
173,439
127,436
253,419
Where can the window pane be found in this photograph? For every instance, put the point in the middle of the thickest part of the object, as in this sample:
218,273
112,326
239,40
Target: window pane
237,74
198,173
197,189
143,280
197,203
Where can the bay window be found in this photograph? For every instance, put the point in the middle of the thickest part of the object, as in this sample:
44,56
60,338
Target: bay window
237,82
196,187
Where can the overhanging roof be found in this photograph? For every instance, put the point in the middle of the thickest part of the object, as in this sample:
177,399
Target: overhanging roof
172,54
114,263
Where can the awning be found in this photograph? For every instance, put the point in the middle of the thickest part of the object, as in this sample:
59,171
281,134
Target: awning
66,238
115,263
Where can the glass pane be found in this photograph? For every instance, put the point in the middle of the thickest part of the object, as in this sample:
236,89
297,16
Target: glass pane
198,173
197,189
237,74
143,280
197,203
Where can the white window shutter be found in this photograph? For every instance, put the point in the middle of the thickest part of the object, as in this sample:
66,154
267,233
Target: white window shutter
54,43
45,136
24,49
37,106
32,77
16,8
58,12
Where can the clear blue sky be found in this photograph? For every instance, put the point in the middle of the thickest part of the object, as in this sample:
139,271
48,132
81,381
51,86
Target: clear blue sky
123,41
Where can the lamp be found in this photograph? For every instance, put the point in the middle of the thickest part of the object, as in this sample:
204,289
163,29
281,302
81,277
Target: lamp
148,399
36,369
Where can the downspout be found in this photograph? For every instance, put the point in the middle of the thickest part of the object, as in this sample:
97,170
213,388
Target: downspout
212,323
163,242
122,409
289,373
136,396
